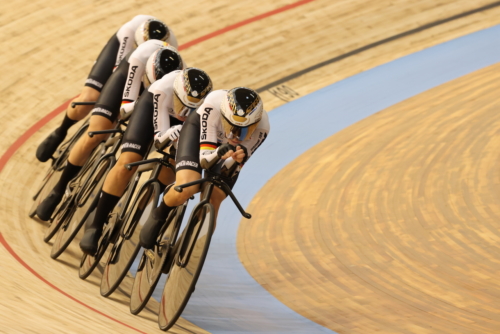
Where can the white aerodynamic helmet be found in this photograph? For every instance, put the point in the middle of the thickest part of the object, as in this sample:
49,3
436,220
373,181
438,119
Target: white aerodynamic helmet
163,61
151,29
241,111
191,86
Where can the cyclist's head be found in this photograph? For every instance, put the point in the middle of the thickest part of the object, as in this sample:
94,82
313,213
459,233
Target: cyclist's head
191,86
161,62
241,111
151,29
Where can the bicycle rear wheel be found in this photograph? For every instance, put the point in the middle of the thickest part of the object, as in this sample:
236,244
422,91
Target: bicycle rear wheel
125,250
187,265
86,202
62,214
54,171
154,261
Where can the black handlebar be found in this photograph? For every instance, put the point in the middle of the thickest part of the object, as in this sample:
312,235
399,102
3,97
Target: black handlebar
215,179
160,146
93,133
142,162
74,104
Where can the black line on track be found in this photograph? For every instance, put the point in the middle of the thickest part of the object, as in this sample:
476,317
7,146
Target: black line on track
375,44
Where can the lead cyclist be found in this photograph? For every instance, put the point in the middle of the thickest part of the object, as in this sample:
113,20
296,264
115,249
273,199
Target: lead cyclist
230,125
133,33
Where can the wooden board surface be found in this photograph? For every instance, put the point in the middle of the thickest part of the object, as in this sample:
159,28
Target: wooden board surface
48,49
395,226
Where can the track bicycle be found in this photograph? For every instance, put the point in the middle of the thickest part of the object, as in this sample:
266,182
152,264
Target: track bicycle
58,161
156,261
84,194
126,243
193,247
118,217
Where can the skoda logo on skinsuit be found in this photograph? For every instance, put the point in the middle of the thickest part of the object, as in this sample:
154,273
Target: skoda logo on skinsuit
122,49
130,80
204,124
155,114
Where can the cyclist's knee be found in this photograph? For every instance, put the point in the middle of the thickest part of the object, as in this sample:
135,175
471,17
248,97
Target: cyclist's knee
79,112
186,193
89,94
124,159
92,142
217,197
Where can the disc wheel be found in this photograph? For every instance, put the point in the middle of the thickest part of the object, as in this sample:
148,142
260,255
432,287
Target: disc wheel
125,250
154,262
86,201
187,264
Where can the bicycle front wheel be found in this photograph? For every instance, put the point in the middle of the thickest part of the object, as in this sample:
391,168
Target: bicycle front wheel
187,265
125,250
154,261
87,198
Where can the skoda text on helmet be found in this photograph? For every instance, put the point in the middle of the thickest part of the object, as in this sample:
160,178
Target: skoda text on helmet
191,86
241,112
161,62
151,29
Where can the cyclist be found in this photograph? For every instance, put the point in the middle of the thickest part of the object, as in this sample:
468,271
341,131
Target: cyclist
230,125
123,87
159,113
131,34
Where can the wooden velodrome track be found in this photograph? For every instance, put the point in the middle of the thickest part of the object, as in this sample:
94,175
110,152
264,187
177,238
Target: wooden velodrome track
404,277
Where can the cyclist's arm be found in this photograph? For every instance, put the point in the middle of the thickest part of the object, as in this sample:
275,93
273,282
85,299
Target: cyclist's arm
126,38
251,145
209,120
137,61
161,118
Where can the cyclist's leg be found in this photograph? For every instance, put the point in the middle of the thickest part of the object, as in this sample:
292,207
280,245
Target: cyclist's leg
79,112
77,157
113,188
188,167
167,176
104,114
86,144
187,170
101,71
216,199
136,142
171,200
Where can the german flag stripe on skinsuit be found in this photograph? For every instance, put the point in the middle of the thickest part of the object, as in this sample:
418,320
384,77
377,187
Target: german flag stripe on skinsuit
208,146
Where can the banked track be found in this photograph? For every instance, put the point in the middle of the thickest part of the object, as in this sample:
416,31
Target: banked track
49,60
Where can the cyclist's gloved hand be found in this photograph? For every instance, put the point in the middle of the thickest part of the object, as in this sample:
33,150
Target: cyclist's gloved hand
126,109
174,132
224,148
240,155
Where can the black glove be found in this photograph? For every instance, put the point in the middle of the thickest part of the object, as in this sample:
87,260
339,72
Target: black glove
224,148
246,153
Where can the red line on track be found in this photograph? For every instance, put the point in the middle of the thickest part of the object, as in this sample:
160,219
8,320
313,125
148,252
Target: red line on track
14,254
243,23
47,118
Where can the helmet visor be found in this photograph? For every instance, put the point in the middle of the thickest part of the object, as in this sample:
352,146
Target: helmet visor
180,109
237,132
